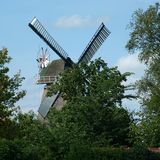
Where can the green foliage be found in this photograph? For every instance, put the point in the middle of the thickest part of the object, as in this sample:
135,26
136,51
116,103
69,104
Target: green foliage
95,80
9,150
22,150
36,134
9,95
93,113
31,141
145,39
19,150
22,136
146,131
91,123
91,153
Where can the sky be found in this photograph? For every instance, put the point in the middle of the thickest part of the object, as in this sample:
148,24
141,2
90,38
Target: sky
72,24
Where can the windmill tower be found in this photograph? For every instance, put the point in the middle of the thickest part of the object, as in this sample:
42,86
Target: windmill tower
49,73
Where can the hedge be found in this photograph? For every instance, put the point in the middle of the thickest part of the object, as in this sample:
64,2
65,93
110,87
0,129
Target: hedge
18,150
89,153
21,150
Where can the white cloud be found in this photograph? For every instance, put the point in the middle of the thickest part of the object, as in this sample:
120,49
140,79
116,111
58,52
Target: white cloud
75,21
130,63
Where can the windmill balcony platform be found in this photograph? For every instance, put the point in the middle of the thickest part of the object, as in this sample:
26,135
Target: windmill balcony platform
46,79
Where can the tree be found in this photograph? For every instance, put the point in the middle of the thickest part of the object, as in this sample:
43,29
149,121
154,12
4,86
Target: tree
35,135
9,95
31,141
93,112
22,136
145,39
97,81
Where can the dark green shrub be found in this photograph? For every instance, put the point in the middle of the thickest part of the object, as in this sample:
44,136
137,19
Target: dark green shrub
21,150
9,150
79,152
140,152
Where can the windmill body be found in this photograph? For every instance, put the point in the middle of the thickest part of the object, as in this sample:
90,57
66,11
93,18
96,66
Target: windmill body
49,72
48,76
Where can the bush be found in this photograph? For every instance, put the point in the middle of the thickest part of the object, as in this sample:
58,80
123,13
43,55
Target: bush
90,153
19,150
10,150
22,150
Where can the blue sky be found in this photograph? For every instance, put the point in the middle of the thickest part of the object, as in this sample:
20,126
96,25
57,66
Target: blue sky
72,24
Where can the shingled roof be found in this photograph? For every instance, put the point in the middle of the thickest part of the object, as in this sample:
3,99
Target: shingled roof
53,69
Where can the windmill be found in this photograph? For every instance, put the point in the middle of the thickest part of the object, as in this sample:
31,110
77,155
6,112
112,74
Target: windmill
48,74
